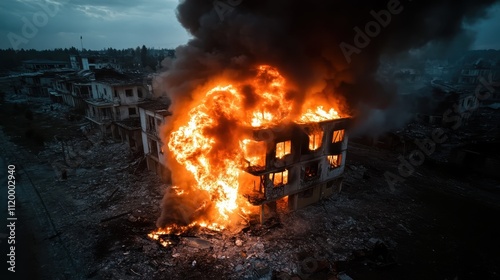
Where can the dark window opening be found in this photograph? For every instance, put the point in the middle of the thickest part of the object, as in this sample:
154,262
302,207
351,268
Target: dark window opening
129,93
151,124
139,93
153,148
116,93
132,111
311,171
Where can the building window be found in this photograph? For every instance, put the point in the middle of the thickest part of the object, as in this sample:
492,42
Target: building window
279,178
116,93
335,161
315,139
338,136
153,148
132,111
283,148
129,93
105,92
151,124
254,154
139,93
311,171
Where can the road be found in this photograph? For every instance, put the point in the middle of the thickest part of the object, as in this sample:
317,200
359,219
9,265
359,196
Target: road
40,253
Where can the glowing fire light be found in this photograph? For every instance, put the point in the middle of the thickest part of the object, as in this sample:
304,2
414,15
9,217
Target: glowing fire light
216,166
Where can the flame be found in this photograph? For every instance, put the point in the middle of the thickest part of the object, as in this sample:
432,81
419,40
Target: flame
215,166
318,115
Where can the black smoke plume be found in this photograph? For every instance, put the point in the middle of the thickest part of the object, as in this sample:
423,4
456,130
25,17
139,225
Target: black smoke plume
312,43
302,39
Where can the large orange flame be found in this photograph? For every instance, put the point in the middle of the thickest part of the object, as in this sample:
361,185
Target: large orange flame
215,166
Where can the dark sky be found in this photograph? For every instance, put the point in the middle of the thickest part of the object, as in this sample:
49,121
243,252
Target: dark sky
124,23
102,23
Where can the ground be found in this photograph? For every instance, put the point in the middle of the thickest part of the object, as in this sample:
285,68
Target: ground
93,224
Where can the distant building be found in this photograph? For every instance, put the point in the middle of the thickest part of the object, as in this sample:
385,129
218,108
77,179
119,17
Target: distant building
79,62
40,83
74,88
114,101
471,73
44,64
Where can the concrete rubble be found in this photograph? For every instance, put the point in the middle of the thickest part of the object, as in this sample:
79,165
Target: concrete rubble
104,202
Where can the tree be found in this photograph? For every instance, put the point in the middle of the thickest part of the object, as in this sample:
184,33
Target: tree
144,56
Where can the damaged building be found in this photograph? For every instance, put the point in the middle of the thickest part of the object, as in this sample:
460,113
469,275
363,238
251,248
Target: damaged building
302,164
113,106
153,115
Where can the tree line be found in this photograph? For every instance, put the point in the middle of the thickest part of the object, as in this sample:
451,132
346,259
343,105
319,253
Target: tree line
139,57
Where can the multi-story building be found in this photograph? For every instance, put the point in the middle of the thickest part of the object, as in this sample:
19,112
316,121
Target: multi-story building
74,88
79,62
297,164
40,83
153,116
113,105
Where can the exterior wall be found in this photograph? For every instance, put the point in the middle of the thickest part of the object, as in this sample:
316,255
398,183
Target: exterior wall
152,145
121,93
132,137
142,116
85,63
101,91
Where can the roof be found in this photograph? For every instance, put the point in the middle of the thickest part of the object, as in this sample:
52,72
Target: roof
113,77
100,102
44,61
159,107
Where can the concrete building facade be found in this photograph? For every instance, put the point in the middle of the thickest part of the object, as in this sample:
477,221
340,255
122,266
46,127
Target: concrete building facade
301,164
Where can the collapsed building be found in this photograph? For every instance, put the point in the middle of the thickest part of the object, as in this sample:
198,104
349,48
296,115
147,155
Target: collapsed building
304,164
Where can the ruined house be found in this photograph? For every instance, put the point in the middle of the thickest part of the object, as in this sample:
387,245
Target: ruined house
153,115
301,164
113,105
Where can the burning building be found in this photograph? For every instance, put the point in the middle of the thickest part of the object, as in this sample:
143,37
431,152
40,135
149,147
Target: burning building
304,164
262,95
244,145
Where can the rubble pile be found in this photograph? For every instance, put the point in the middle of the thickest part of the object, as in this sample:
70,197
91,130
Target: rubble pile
103,203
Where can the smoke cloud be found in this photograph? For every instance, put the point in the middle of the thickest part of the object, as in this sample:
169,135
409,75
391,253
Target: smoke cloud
303,41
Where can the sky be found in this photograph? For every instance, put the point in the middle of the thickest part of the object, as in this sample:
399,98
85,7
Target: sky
101,23
48,24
